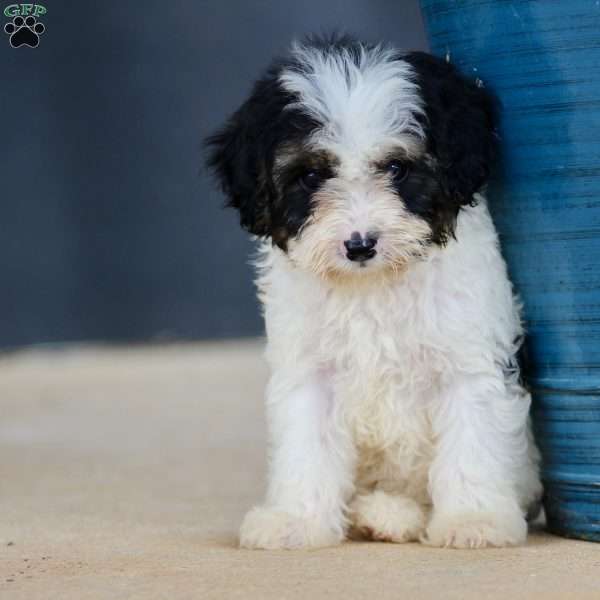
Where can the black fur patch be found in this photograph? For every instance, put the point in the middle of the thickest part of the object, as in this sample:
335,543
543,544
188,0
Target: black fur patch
242,156
422,195
460,126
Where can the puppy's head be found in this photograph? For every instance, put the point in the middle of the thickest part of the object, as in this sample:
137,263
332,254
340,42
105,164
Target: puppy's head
355,159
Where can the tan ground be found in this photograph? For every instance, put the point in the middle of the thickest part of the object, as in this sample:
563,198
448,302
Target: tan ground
125,473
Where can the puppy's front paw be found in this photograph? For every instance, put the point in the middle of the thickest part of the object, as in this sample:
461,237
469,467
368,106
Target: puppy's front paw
387,517
475,530
271,529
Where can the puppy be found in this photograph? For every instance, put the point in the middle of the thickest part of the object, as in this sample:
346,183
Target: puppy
394,407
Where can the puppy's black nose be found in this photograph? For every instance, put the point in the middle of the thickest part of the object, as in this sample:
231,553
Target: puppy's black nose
360,249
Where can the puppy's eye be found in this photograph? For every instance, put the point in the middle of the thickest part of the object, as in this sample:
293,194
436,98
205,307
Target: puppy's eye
397,170
310,180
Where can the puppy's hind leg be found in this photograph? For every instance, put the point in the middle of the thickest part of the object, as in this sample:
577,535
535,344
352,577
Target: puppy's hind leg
387,517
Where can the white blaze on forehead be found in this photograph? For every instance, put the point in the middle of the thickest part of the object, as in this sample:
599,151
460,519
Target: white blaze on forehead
366,101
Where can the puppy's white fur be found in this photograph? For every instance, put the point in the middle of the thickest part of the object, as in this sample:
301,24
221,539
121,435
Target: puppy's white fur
366,104
392,406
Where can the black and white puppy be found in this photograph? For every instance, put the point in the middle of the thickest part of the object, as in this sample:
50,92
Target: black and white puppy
394,407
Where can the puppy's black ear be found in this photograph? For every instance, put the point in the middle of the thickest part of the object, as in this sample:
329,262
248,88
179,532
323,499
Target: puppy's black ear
460,124
241,153
235,158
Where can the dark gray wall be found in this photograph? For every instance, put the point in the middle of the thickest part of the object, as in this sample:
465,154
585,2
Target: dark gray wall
110,229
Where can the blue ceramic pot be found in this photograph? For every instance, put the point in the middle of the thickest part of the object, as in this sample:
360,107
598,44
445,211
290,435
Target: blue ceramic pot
542,59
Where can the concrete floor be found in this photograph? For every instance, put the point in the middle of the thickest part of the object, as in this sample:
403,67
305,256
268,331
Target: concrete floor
125,473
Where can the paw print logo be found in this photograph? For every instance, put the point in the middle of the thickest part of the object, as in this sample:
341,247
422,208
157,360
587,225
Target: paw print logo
24,32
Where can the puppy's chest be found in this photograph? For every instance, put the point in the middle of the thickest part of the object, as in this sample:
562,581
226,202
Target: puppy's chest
382,364
374,336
